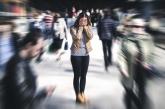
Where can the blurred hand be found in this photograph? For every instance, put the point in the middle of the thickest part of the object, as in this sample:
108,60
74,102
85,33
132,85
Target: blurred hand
147,66
125,73
50,90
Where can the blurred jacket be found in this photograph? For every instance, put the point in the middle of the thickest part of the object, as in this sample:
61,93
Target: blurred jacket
128,55
19,84
9,45
106,28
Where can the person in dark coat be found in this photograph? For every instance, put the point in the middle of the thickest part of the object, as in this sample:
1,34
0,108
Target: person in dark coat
19,82
106,31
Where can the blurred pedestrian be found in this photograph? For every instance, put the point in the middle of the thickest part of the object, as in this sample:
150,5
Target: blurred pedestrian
9,42
60,33
48,24
134,62
95,17
81,33
47,30
19,83
106,31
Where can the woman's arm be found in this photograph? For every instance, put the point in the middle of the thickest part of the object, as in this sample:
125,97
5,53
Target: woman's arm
88,31
76,35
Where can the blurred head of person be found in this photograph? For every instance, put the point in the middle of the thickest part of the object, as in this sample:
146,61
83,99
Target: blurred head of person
138,25
127,24
32,44
57,16
82,20
107,12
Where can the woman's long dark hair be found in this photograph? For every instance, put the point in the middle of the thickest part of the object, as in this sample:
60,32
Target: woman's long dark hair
81,15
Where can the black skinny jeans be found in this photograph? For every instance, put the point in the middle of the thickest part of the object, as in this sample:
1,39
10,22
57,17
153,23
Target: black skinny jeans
80,67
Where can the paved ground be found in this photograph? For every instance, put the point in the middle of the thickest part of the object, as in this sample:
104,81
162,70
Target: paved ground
103,88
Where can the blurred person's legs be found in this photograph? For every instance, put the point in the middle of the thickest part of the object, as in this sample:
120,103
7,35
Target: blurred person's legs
130,98
127,99
105,52
140,79
109,44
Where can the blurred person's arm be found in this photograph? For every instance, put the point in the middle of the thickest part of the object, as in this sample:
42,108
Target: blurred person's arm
42,93
115,25
122,62
65,30
148,53
99,29
26,88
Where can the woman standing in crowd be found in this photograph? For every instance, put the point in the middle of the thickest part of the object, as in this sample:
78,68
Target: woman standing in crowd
81,33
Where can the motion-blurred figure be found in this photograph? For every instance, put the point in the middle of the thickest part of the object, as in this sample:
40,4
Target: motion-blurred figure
134,61
60,33
19,83
95,17
47,30
106,31
8,43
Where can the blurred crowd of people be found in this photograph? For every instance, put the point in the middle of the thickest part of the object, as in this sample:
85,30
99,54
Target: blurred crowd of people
49,31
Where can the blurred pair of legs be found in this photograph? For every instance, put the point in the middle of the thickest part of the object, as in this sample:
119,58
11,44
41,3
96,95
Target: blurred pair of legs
138,99
107,46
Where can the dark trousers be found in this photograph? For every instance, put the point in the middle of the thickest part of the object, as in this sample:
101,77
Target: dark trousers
130,98
138,99
80,67
107,45
140,79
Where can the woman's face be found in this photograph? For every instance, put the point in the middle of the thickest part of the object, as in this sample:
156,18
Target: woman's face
83,21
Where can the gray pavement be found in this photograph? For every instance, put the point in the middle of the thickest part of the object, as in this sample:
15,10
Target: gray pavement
103,89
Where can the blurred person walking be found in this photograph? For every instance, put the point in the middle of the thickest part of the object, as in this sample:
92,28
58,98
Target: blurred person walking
81,33
95,17
134,61
47,29
9,43
106,30
19,82
60,32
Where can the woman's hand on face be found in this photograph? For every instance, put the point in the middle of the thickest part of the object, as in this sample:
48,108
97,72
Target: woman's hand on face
80,28
85,27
